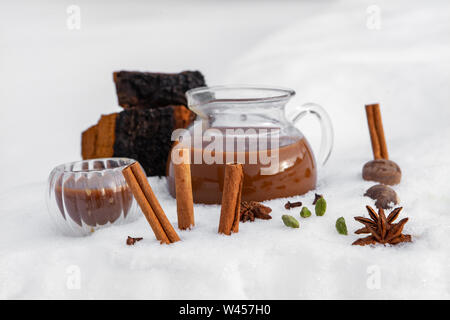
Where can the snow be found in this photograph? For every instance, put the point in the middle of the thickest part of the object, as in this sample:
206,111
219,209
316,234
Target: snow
57,82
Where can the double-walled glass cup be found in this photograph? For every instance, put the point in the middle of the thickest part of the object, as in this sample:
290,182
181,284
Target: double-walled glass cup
87,195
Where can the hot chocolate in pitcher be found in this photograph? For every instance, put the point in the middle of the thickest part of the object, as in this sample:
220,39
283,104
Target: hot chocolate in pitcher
248,125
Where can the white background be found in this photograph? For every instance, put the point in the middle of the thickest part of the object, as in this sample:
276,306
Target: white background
56,82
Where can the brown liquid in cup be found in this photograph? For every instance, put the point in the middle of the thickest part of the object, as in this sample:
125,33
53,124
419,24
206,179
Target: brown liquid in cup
296,175
91,206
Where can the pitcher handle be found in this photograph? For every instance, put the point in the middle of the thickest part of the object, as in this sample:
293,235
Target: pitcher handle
326,144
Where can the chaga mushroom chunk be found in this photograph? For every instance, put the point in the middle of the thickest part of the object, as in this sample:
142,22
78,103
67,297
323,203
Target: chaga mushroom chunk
149,90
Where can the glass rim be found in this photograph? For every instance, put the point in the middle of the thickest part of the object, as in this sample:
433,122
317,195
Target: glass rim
277,93
65,166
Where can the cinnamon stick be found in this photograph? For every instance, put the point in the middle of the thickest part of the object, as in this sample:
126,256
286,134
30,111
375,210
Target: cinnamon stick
231,199
183,189
380,132
376,131
143,193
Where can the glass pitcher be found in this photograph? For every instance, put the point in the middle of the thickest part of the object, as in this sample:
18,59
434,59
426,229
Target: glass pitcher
245,124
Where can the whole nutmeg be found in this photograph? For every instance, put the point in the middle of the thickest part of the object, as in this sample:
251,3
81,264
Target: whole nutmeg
384,195
383,171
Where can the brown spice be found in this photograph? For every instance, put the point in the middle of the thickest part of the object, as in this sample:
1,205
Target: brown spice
376,131
231,199
381,228
382,171
251,210
290,205
143,193
317,197
383,195
183,188
131,241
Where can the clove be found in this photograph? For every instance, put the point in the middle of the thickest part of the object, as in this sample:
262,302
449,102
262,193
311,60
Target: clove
131,241
316,197
290,205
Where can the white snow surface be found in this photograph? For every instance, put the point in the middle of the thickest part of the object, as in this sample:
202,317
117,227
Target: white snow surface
56,82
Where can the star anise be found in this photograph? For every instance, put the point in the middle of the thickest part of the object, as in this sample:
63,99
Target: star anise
382,229
250,210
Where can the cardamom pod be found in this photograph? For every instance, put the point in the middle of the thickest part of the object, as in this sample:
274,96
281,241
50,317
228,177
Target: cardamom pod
341,227
305,213
321,207
290,221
